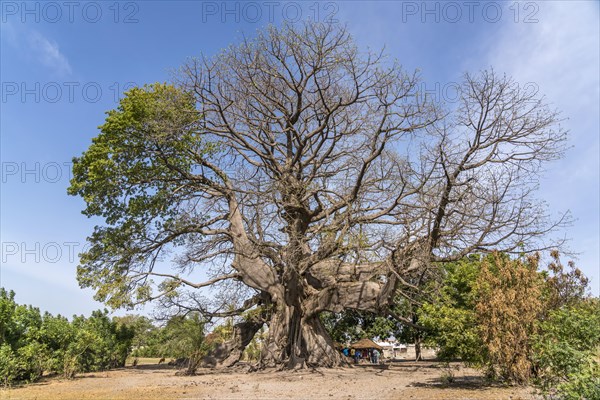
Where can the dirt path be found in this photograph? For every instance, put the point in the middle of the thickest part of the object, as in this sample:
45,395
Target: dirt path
405,380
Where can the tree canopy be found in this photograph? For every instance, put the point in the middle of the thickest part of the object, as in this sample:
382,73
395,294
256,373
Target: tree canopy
308,172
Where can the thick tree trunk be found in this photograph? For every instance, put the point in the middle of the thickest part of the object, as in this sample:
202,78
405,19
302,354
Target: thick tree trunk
298,342
319,345
297,338
282,348
418,339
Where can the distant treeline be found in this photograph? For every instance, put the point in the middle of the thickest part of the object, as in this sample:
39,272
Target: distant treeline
33,344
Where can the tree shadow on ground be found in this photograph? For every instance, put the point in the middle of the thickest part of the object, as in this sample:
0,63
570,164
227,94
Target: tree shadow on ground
468,382
22,385
415,364
149,367
53,378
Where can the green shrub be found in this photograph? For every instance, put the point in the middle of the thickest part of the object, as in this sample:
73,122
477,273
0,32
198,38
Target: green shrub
583,384
33,344
449,316
9,365
34,359
567,348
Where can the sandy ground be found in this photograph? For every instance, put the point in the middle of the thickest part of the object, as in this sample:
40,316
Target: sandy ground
401,380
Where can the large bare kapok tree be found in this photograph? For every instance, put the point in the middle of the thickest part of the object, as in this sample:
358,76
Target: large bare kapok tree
313,175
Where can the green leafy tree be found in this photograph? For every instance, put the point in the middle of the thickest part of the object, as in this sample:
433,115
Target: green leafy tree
10,366
167,117
32,344
567,349
449,317
58,334
23,355
351,326
146,335
583,384
184,338
9,331
90,344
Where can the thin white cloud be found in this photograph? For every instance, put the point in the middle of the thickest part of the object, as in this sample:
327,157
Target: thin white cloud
560,54
47,52
36,47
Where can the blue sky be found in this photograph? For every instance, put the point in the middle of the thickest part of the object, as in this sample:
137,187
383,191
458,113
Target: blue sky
64,64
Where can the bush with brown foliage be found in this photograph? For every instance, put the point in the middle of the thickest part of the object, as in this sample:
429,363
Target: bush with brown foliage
508,310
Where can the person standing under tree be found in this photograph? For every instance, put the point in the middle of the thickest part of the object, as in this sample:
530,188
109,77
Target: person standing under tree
375,358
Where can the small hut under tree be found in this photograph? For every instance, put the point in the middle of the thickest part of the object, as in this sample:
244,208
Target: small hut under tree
366,347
